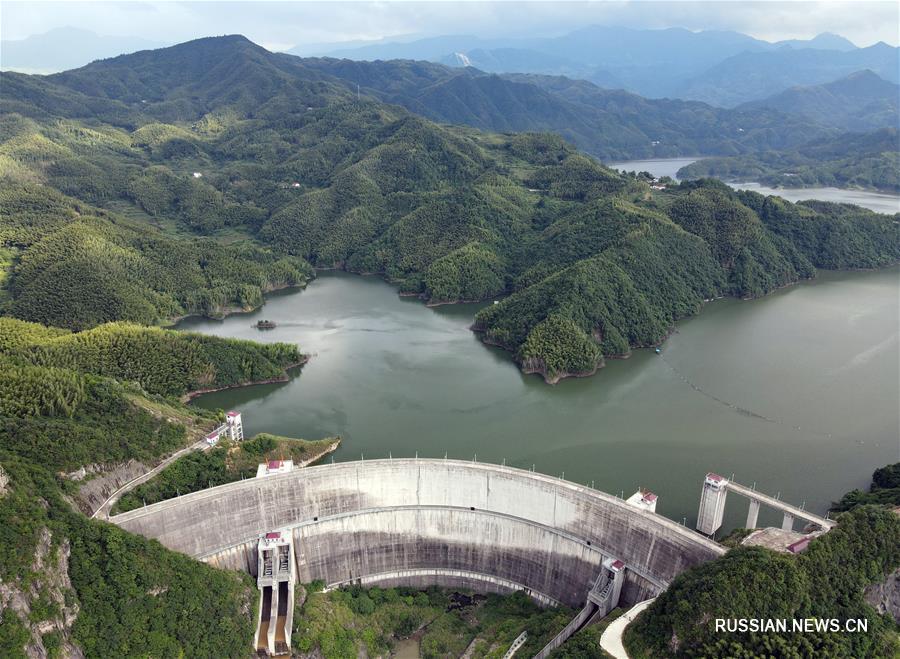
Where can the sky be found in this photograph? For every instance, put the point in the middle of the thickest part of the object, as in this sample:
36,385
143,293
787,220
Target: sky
282,25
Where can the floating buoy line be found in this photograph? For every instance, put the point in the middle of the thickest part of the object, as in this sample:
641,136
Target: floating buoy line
743,411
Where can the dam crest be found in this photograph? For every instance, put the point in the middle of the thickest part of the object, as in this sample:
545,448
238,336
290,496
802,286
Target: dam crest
419,522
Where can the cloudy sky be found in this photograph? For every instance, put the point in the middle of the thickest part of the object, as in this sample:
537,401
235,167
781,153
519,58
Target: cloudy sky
281,25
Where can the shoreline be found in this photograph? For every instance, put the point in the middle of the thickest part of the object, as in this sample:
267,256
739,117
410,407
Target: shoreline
879,191
328,450
556,379
284,377
169,323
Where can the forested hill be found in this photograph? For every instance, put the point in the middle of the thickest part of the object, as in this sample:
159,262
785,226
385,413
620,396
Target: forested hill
757,582
859,102
189,80
749,76
220,138
89,402
609,124
852,160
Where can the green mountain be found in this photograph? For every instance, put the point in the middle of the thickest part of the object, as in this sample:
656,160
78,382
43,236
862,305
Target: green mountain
194,178
607,124
859,102
82,403
220,137
852,160
755,582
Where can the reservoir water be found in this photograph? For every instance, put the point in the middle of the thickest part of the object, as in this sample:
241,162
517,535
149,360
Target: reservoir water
876,201
797,392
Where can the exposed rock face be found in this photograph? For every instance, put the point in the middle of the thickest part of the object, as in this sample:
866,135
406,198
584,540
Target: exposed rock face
4,481
884,597
52,586
95,491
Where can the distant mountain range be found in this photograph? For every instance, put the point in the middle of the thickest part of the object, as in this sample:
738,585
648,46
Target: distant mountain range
721,68
65,48
751,76
859,102
610,124
718,67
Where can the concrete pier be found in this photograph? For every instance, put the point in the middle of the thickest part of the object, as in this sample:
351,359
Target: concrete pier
712,506
787,524
752,514
421,522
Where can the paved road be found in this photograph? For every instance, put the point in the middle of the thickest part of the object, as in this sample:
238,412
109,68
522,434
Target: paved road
611,639
103,511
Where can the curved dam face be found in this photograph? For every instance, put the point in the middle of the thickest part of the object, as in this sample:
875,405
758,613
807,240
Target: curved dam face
421,522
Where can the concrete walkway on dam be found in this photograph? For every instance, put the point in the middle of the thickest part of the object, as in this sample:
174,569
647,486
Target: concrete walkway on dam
422,521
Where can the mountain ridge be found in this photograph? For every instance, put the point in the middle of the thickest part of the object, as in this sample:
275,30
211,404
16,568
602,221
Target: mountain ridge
591,262
668,62
861,101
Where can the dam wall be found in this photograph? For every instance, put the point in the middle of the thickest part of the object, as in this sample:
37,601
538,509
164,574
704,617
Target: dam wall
419,522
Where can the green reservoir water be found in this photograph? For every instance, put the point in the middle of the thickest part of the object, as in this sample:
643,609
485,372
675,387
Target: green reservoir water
797,391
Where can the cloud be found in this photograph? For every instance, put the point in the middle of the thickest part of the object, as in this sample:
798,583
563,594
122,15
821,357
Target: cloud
282,24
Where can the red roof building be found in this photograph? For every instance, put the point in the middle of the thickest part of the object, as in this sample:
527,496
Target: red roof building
799,545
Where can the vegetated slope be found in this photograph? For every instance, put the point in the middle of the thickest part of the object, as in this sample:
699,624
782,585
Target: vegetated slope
759,584
225,463
608,124
91,400
858,102
597,262
162,362
852,160
73,585
77,266
884,490
624,287
355,621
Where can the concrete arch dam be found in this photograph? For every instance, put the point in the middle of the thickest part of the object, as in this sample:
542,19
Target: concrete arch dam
421,521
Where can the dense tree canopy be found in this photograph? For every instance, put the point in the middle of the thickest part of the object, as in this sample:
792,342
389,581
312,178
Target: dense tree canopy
870,161
291,159
825,581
